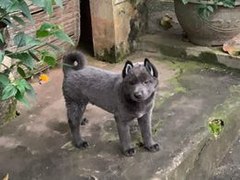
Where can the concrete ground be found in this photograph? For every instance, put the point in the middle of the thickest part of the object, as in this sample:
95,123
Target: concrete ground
37,144
229,168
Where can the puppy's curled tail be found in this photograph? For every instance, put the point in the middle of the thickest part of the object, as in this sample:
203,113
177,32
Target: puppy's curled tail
74,60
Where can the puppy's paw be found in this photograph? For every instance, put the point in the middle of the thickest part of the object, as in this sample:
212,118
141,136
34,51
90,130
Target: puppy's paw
129,152
84,121
82,145
153,148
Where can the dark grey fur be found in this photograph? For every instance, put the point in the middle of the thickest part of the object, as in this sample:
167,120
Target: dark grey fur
128,96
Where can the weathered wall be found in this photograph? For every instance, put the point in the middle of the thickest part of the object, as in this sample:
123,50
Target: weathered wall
103,29
68,17
123,13
115,25
130,21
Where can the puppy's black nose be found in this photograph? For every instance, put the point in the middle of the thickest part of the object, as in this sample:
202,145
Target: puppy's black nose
138,95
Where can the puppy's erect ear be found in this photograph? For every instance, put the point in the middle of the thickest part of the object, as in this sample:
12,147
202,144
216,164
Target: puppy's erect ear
127,67
150,68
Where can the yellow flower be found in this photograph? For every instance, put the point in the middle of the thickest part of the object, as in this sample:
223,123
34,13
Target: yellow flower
43,78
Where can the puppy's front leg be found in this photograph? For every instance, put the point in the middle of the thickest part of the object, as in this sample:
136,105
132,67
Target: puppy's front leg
125,137
145,123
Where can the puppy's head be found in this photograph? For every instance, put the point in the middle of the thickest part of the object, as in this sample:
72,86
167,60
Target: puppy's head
139,80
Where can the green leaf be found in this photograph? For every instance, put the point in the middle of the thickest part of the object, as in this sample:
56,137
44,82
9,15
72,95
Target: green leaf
9,91
204,11
19,6
210,8
63,36
5,4
29,90
21,72
23,88
227,3
48,29
42,33
45,30
20,97
26,84
4,80
48,6
2,53
21,39
20,86
49,58
24,58
27,60
59,3
39,3
18,20
51,61
25,10
216,126
14,6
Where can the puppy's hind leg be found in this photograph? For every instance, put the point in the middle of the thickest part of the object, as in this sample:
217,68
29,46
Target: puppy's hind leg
75,113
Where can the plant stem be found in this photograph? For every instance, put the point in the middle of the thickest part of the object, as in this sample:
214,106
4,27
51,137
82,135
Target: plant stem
26,49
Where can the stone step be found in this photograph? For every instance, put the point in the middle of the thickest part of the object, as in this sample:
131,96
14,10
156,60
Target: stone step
229,168
192,153
174,45
189,94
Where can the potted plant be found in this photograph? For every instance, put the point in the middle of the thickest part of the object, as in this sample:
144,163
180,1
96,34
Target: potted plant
27,50
209,22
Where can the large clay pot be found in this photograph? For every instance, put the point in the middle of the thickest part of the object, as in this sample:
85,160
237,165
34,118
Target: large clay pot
221,26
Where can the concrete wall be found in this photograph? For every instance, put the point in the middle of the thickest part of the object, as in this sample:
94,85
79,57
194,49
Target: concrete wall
123,13
102,28
115,25
130,18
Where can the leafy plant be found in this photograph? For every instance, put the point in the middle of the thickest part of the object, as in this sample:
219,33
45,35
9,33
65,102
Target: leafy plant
28,49
207,7
215,127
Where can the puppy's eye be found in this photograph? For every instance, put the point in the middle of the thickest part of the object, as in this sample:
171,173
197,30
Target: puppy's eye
146,82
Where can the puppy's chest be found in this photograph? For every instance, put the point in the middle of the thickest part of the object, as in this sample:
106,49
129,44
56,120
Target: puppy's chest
137,112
